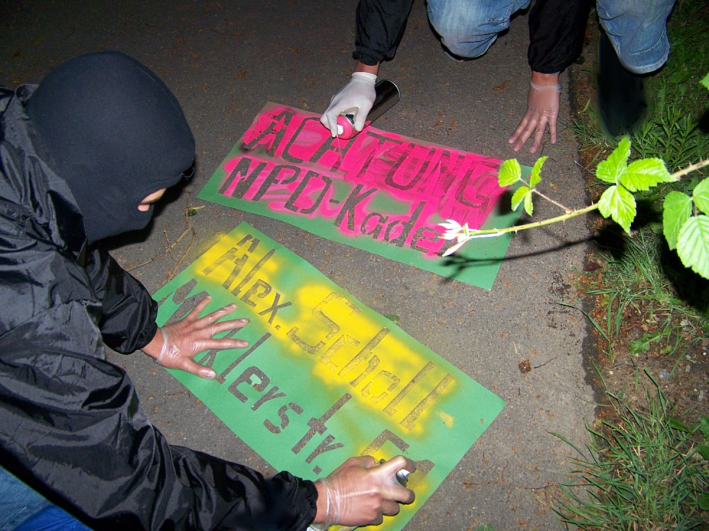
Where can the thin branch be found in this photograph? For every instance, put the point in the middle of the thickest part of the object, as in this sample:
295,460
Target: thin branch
562,207
166,251
170,246
528,185
471,233
487,233
692,167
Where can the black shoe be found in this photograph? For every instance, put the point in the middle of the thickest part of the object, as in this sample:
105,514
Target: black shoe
621,96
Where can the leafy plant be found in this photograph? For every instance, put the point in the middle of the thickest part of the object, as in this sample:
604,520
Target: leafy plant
686,229
686,224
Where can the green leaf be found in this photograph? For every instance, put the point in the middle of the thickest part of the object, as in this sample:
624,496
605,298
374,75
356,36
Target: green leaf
510,173
619,204
704,427
701,196
705,81
676,210
485,527
535,177
640,345
611,169
704,450
677,424
643,174
693,245
528,205
519,196
703,501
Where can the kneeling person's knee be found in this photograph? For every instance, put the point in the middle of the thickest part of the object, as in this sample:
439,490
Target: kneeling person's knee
467,29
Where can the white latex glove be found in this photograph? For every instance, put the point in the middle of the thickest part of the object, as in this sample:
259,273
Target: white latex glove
360,492
542,109
181,341
356,98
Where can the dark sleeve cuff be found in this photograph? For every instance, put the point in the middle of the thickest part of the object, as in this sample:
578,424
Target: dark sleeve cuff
380,27
295,501
556,31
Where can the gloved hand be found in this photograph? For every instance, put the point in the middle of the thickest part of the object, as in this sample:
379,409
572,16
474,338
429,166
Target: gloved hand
183,340
360,492
542,109
357,98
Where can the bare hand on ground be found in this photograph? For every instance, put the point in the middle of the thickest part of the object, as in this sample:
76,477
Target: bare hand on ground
542,110
176,344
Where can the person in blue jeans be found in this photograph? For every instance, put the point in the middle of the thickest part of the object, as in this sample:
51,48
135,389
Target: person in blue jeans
636,30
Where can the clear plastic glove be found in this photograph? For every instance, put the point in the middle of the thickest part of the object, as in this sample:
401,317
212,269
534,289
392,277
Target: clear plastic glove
356,98
360,492
542,109
179,342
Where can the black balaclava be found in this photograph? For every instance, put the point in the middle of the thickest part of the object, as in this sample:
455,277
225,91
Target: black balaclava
115,134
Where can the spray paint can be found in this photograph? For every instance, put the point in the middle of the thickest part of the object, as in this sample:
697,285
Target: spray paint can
401,477
387,95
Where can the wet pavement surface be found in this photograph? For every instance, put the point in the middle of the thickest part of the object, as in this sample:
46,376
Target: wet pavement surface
224,60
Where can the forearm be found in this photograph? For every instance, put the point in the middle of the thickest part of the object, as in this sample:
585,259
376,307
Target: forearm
128,318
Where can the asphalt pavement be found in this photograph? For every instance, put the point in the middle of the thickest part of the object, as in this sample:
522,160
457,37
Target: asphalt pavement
224,60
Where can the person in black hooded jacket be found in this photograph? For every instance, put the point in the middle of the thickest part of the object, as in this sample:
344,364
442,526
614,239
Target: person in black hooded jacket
84,156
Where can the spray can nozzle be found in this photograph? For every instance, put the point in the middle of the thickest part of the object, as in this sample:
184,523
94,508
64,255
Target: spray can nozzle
387,95
402,475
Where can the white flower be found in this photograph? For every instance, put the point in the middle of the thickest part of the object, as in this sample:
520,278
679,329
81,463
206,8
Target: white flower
453,229
450,224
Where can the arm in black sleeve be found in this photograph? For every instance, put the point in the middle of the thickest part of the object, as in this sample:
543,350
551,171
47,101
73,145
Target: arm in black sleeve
556,31
129,312
72,427
380,27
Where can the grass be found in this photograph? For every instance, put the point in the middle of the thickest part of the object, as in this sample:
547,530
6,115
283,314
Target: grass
640,274
642,472
639,473
635,285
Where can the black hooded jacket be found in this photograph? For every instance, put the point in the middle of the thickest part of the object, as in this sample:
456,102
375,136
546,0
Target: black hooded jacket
556,30
71,425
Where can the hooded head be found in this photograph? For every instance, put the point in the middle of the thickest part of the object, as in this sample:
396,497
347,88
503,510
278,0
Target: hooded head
115,134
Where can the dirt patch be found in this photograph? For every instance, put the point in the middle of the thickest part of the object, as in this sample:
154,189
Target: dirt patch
643,350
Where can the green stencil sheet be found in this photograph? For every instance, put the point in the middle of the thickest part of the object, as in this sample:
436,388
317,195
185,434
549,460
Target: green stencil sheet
325,377
380,192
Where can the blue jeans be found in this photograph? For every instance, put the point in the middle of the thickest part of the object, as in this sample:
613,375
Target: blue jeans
636,28
24,509
469,27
